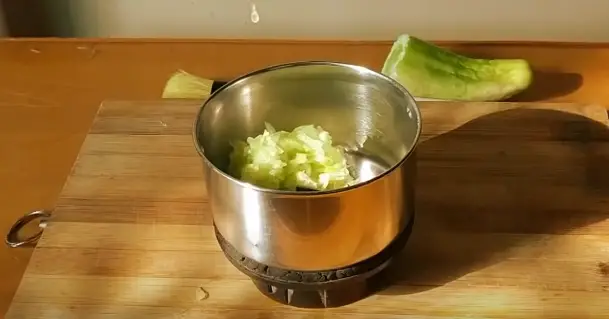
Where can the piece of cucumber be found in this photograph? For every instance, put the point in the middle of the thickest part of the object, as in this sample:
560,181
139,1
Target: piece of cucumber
428,71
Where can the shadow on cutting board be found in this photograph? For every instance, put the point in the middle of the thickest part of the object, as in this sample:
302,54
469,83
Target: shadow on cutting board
548,85
495,184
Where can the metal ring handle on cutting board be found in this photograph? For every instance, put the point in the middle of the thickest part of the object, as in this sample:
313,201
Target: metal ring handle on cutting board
12,238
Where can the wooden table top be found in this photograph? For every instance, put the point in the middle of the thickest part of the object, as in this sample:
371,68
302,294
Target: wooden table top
51,89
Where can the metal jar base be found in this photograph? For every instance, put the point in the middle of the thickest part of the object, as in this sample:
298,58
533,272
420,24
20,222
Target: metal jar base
310,289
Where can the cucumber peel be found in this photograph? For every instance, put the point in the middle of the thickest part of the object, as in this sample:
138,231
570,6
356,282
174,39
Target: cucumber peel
428,71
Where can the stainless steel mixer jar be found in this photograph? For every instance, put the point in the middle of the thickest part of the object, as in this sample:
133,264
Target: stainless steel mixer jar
369,114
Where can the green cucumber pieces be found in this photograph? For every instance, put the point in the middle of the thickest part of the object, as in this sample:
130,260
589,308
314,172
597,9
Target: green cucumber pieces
428,71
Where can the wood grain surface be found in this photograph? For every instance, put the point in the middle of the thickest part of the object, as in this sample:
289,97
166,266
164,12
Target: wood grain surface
512,207
51,90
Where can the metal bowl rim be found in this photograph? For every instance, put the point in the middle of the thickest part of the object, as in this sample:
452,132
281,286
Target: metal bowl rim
396,84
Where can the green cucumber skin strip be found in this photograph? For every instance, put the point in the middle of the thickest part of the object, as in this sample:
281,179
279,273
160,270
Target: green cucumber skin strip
429,71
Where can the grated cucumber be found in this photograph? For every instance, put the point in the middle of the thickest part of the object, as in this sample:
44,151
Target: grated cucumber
301,159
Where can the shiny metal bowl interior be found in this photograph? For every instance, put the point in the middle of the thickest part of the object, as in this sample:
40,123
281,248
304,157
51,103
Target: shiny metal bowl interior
372,120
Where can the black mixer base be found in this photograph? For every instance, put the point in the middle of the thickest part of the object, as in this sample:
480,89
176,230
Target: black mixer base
310,289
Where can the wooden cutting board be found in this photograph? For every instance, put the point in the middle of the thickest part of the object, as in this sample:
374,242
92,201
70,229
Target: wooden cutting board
512,207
